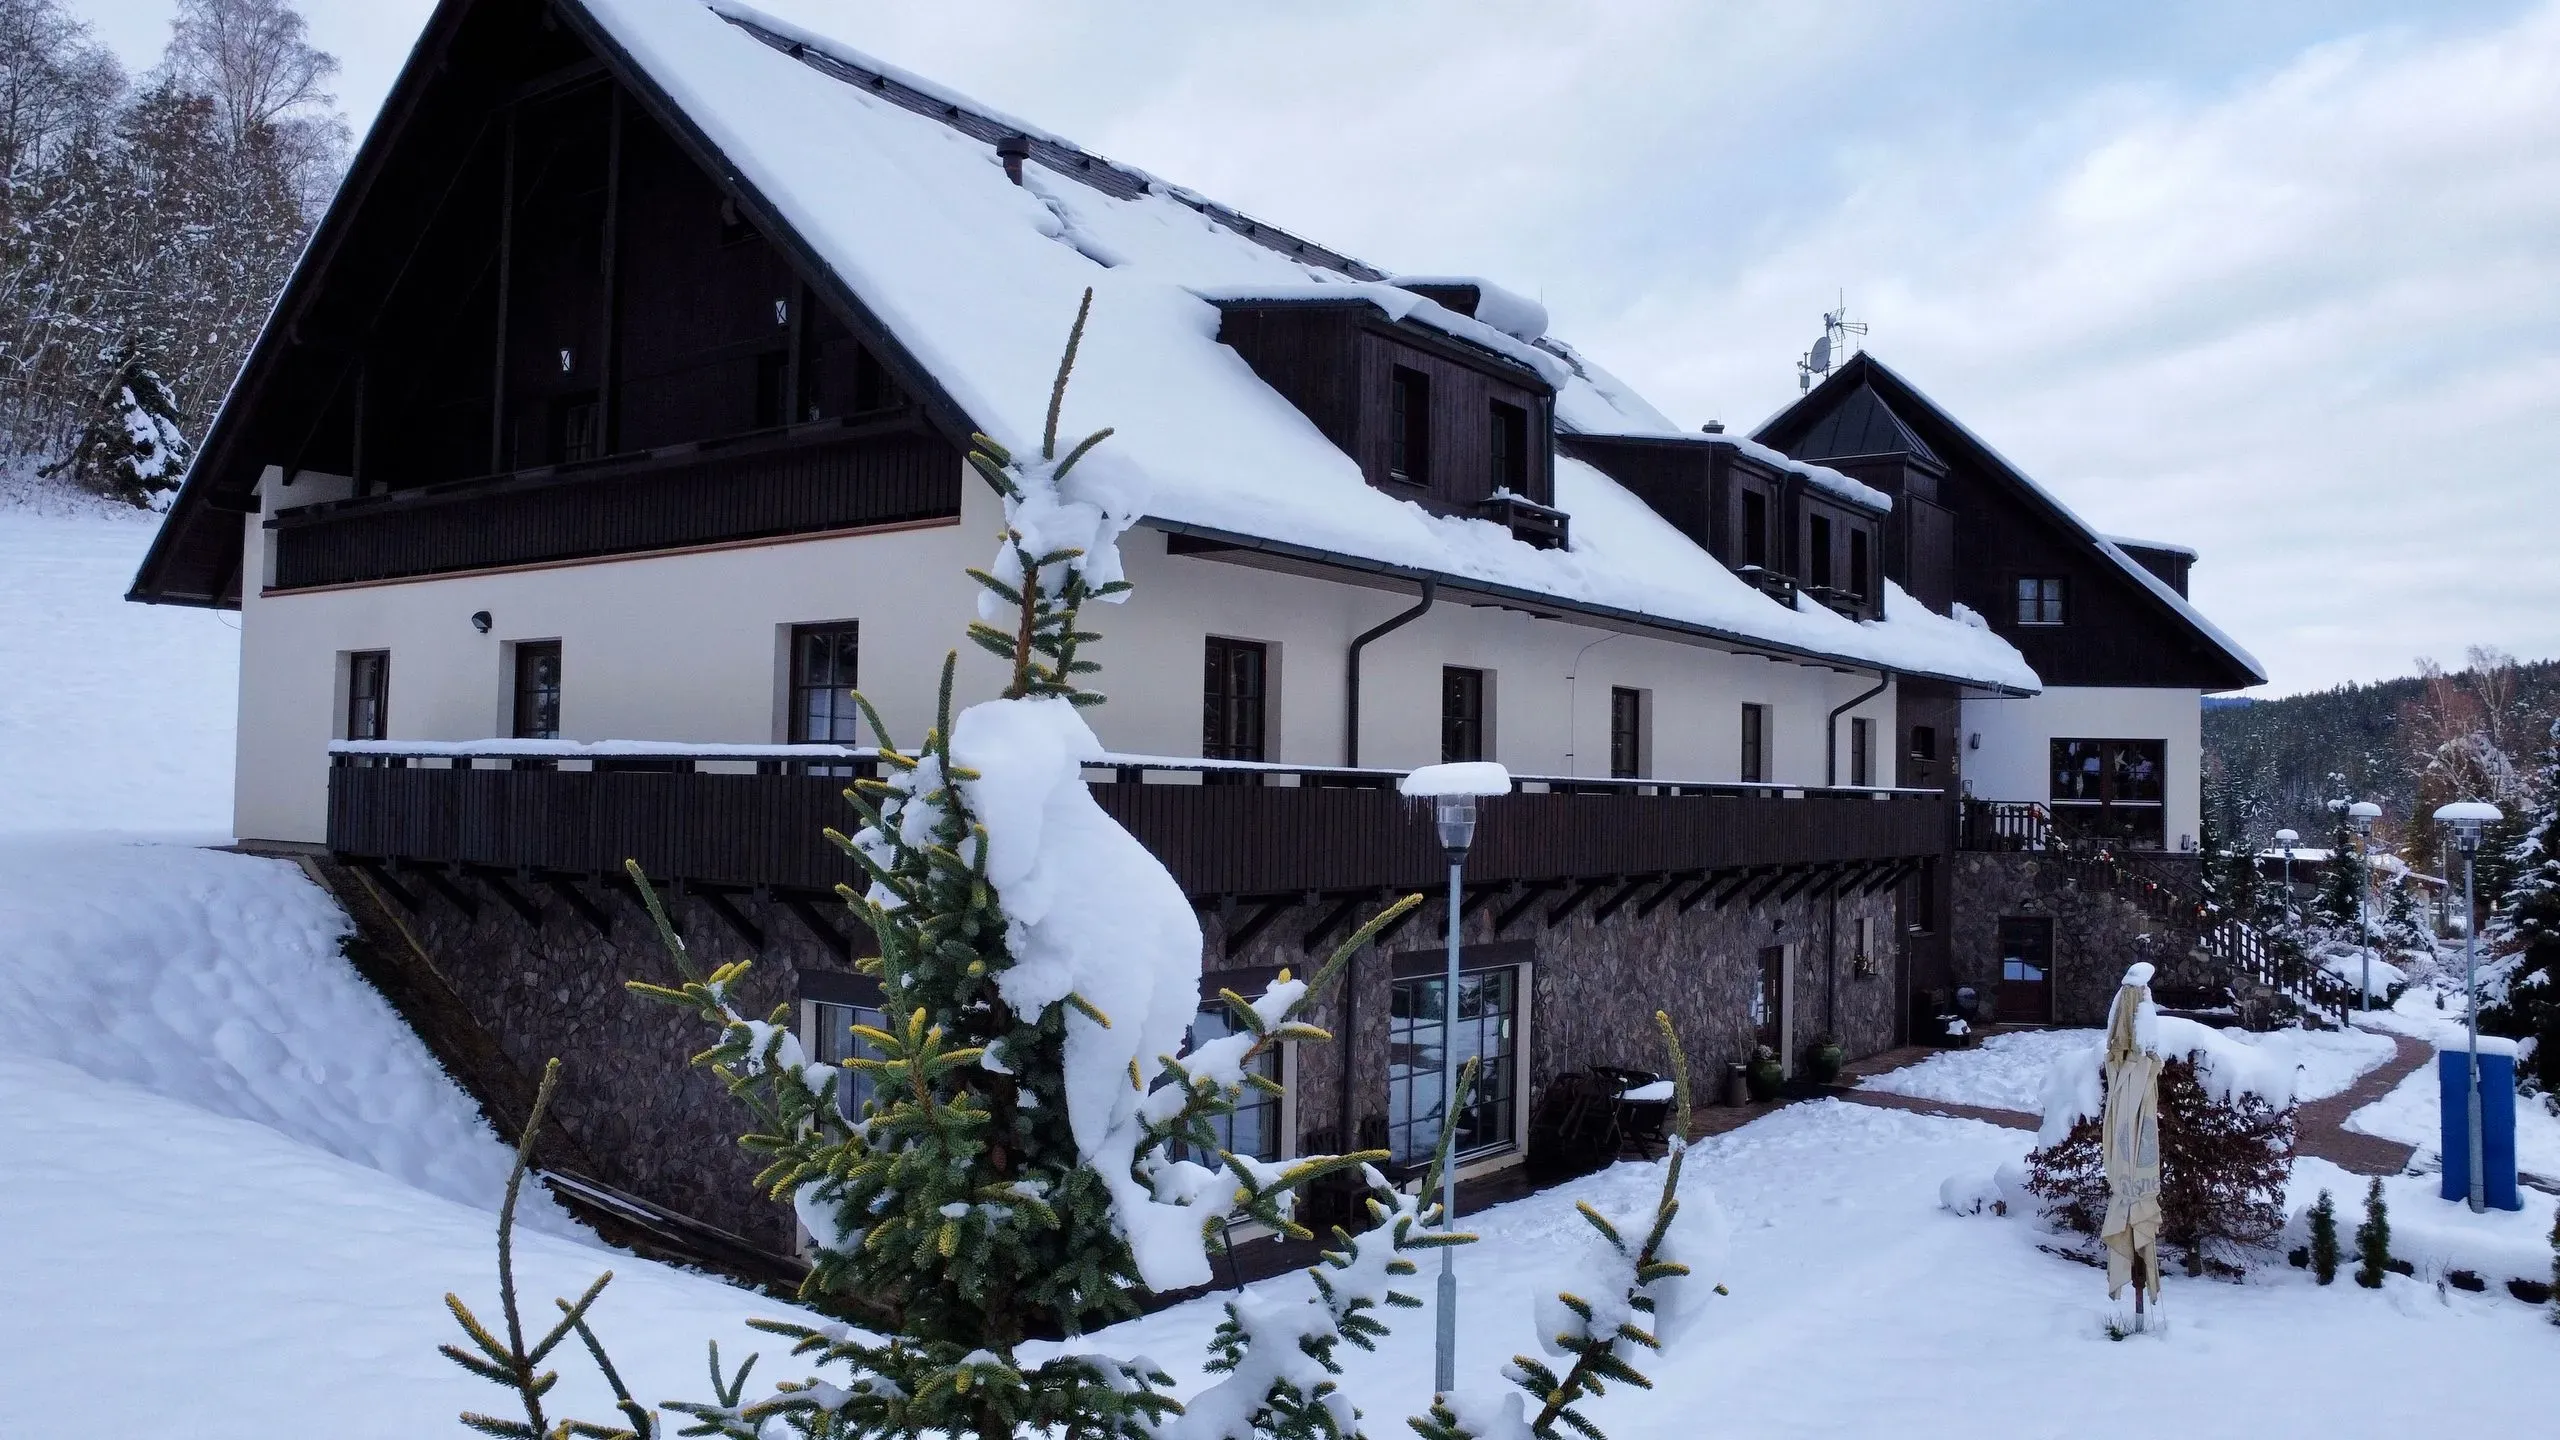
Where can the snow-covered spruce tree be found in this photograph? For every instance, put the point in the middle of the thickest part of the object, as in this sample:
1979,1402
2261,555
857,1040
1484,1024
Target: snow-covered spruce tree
2524,932
129,446
1014,1162
2333,904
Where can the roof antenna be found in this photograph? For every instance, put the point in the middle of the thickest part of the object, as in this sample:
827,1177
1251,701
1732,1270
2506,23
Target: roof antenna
1839,339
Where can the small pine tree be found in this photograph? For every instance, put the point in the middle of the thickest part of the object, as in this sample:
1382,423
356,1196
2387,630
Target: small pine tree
2373,1239
130,447
2324,1239
2334,903
2555,1267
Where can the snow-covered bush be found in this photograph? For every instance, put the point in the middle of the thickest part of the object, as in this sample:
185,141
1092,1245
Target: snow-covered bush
2226,1144
1016,1167
2524,934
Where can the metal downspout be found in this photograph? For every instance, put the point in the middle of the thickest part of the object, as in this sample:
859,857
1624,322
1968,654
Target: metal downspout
1831,728
1351,693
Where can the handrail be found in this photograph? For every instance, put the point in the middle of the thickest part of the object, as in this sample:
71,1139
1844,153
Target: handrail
1126,767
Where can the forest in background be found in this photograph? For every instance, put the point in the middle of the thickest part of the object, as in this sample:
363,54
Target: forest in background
147,223
2409,744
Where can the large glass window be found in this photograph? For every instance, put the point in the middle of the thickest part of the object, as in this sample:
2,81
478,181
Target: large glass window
2111,789
1254,1129
837,1043
1231,721
537,690
1461,713
1488,1030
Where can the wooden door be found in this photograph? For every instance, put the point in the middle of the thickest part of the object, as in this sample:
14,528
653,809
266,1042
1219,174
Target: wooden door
1769,1002
2026,970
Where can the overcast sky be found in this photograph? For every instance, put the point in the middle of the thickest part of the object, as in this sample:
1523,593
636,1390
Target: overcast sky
2280,281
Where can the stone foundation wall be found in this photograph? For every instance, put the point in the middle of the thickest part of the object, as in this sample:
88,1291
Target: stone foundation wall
2097,933
653,1125
1595,987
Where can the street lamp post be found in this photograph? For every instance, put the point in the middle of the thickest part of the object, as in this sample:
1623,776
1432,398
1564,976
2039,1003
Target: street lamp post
1453,789
2466,818
2362,814
2288,839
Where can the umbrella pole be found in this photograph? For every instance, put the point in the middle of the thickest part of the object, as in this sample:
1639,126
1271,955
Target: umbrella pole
2141,1283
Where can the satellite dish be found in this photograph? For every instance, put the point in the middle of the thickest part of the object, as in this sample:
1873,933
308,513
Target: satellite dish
1822,353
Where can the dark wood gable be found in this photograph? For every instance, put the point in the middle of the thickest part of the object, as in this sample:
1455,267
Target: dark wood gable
1707,488
544,319
1454,428
1965,508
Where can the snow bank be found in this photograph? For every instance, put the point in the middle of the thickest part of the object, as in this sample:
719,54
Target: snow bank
77,656
2227,1068
216,980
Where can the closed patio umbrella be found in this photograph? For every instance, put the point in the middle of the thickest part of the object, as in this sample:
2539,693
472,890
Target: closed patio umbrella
2131,1145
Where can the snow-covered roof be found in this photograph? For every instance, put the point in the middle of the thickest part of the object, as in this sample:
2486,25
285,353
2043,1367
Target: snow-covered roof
2164,546
977,278
2133,569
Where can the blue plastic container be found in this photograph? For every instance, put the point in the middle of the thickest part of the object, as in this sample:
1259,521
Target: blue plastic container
2497,1122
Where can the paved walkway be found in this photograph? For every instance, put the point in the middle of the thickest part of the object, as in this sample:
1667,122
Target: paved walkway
2319,1125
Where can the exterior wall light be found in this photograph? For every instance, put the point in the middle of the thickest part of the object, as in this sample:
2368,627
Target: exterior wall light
480,621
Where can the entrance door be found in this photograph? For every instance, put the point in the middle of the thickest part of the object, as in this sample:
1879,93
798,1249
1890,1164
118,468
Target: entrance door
2026,970
1769,1003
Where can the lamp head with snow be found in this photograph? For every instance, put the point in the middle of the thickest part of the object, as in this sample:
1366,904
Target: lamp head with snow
2466,819
2362,814
1453,789
2287,838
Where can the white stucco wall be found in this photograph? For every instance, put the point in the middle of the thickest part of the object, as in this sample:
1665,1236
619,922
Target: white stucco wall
2010,761
688,647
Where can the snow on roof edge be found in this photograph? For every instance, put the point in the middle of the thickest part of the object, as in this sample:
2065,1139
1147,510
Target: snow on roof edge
2165,546
1398,303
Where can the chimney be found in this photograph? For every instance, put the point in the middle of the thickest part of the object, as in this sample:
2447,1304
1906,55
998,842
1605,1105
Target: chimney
1712,427
1013,150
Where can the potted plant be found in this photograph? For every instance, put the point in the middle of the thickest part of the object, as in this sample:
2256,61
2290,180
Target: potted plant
1823,1059
1766,1076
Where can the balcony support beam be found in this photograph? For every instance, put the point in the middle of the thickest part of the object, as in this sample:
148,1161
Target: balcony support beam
597,917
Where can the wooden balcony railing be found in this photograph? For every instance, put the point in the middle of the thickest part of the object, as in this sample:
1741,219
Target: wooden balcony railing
811,479
751,816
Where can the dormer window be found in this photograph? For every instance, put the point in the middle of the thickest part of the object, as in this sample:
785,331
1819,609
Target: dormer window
1755,528
1818,548
1859,585
1409,427
1510,448
2039,599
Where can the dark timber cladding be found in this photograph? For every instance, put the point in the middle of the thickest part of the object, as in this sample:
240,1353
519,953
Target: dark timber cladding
537,262
808,484
2001,529
763,830
1701,485
1335,359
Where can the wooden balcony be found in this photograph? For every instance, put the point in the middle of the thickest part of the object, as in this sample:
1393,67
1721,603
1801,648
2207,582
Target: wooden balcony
738,817
811,479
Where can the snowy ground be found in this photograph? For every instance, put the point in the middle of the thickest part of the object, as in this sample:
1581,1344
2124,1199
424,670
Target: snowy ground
112,716
236,1189
2411,1113
2006,1072
1859,1307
